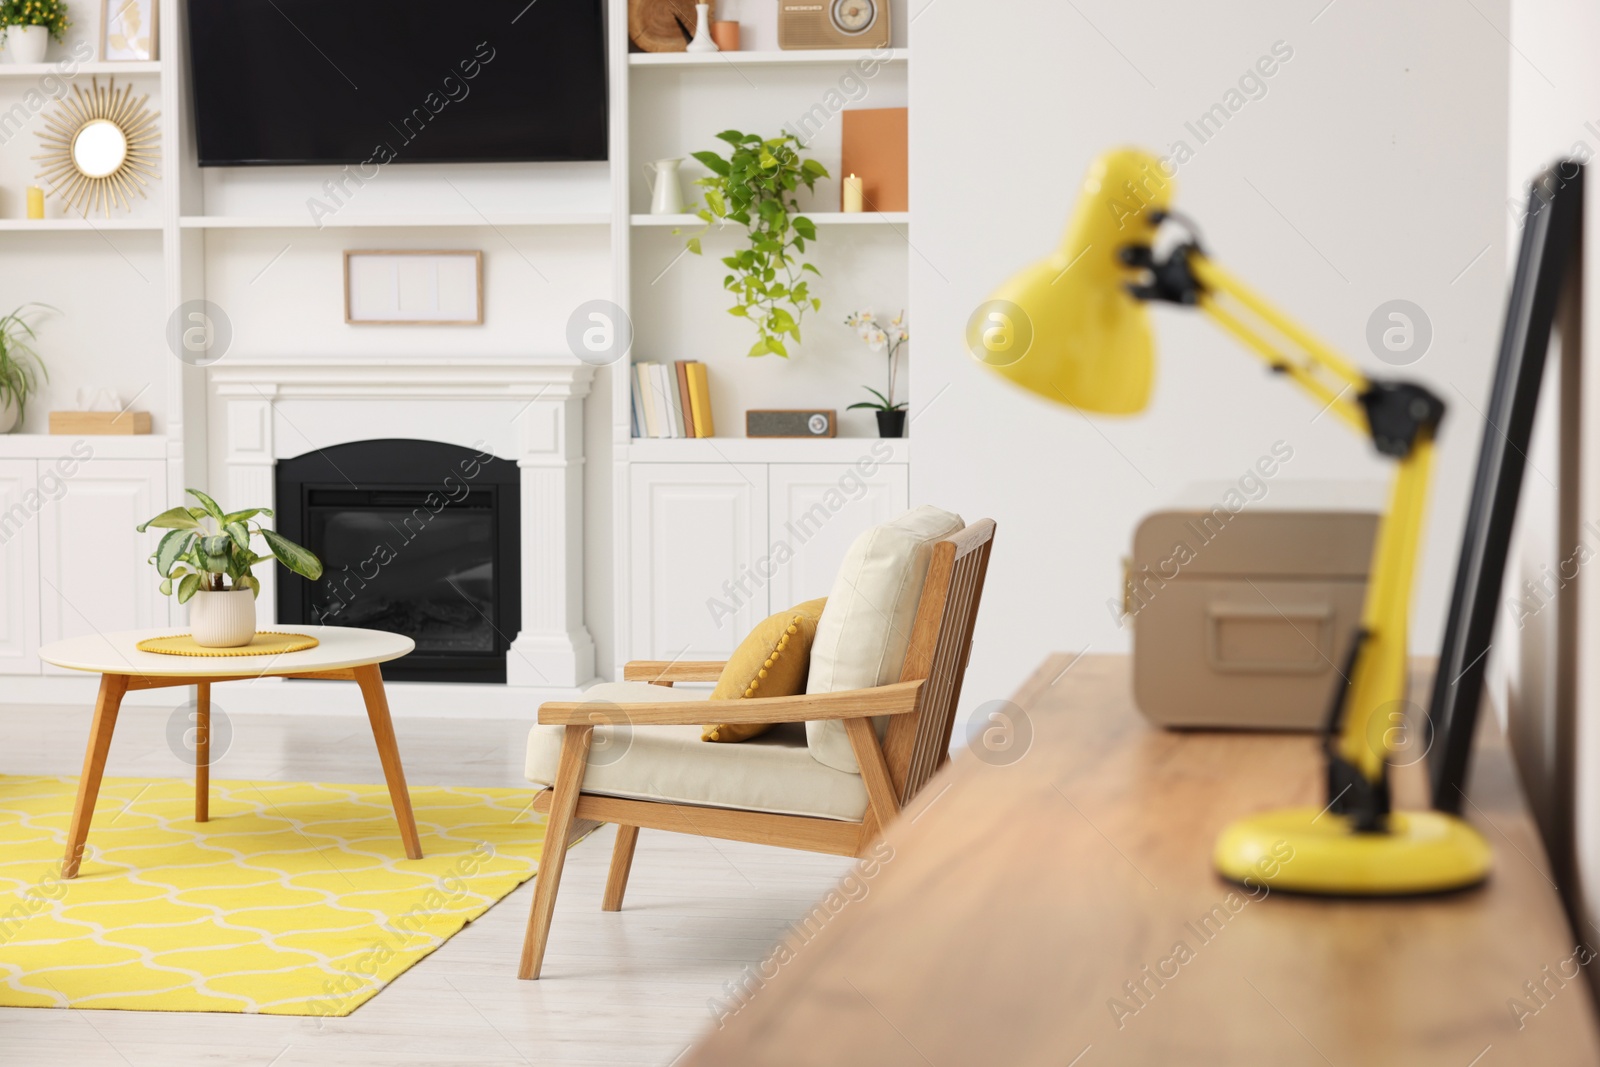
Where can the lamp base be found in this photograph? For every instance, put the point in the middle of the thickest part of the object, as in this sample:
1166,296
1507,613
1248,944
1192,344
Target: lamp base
1307,850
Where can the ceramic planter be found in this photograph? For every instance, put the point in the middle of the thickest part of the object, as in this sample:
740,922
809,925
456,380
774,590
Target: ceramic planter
891,423
8,416
27,44
222,619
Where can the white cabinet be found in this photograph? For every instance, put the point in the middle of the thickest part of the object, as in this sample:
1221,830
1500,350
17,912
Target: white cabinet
715,547
71,561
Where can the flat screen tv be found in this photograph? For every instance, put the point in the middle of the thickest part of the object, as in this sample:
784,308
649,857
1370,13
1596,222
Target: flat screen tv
284,82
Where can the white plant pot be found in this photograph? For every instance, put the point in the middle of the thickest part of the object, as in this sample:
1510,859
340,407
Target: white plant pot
27,44
225,619
8,416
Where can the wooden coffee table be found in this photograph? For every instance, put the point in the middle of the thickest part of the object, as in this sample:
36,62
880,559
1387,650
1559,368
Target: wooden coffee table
343,654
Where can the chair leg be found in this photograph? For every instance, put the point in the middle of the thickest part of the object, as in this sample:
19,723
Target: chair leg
557,832
621,864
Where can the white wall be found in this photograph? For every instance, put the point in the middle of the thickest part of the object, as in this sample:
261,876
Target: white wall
1373,168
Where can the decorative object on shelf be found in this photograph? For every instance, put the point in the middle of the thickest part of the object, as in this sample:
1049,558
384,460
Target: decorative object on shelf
99,147
889,339
128,30
873,145
851,195
666,192
671,400
702,41
412,287
21,369
206,545
833,24
29,25
726,34
808,423
35,202
755,186
99,423
661,25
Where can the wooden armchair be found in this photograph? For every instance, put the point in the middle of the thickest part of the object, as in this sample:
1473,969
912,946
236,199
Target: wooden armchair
921,709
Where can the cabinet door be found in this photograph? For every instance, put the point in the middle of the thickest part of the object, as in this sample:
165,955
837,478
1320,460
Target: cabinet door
817,510
93,574
698,533
20,504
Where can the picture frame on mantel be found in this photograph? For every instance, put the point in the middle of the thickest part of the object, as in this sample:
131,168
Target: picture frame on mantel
129,30
413,287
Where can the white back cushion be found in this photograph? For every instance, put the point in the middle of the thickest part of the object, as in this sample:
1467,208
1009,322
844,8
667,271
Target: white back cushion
865,629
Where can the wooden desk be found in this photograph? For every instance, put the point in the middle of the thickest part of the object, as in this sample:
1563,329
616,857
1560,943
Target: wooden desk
1021,900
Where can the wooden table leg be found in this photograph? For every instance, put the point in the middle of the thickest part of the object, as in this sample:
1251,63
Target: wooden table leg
370,678
202,752
112,686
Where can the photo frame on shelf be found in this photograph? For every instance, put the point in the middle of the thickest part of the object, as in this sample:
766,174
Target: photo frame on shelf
128,30
413,287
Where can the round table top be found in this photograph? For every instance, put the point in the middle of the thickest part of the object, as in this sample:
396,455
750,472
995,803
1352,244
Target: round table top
114,653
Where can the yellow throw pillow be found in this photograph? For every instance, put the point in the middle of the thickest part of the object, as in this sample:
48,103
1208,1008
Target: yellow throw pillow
772,661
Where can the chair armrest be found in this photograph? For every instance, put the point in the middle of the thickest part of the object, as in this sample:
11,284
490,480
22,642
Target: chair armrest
669,671
896,699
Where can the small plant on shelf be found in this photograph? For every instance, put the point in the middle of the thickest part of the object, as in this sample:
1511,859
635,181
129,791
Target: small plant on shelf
888,339
21,369
51,14
755,186
210,550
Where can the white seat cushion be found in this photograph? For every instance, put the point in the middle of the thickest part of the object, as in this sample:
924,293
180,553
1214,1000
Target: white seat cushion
865,628
772,773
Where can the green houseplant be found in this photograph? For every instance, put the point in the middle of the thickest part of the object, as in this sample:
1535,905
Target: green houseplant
879,338
755,186
206,556
21,369
29,25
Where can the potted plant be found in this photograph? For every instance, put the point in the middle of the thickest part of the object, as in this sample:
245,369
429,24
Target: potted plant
755,187
207,558
891,414
29,25
20,366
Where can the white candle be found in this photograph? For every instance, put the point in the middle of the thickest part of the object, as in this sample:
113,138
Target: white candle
852,194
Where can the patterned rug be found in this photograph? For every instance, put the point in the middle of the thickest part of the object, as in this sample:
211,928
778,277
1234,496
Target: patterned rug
294,899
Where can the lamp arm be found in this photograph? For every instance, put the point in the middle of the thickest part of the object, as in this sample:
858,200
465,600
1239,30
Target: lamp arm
1368,711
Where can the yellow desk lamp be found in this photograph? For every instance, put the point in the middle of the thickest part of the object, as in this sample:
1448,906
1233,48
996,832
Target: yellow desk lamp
1074,329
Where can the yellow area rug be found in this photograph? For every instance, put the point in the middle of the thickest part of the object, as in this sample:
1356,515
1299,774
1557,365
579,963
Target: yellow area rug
294,899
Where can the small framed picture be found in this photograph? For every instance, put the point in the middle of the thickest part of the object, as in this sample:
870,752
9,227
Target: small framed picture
413,288
128,30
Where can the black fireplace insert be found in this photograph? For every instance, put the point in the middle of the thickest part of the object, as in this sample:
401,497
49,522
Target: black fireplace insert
416,538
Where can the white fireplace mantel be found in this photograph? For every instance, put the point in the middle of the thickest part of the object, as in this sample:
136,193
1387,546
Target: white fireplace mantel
530,412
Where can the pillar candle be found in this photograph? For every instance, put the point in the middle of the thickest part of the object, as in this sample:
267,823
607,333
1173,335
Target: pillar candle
852,194
35,202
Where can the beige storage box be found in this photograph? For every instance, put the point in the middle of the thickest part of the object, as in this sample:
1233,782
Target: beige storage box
1243,618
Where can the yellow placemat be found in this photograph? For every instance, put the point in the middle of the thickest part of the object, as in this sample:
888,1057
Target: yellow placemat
264,643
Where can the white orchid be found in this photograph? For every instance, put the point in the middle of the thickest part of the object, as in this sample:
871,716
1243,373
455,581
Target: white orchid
880,339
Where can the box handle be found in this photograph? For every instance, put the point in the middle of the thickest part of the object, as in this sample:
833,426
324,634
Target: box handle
1314,623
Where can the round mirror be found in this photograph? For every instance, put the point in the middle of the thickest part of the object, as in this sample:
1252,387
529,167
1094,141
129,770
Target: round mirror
99,148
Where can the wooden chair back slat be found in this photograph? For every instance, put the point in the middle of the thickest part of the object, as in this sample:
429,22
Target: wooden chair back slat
918,743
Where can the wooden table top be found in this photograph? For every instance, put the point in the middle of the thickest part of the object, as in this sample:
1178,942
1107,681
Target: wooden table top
1021,905
338,647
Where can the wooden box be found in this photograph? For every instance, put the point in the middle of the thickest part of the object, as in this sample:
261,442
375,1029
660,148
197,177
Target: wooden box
874,149
84,423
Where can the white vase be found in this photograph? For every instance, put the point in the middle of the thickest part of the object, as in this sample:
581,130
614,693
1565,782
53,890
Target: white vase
222,619
666,192
702,31
27,44
8,416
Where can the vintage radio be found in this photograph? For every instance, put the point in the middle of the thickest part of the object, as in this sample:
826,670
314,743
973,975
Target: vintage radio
808,423
833,24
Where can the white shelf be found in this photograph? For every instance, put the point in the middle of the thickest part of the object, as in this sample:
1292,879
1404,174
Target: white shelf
766,449
821,218
106,446
345,222
81,225
39,70
813,57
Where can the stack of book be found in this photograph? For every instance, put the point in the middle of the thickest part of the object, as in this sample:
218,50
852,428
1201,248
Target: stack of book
671,400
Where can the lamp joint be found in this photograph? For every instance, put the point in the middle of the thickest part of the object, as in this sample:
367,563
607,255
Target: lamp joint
1398,413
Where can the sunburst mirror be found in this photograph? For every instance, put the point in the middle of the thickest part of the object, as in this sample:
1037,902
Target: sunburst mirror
100,148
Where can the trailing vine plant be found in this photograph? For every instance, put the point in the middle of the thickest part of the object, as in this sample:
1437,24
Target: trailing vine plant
755,187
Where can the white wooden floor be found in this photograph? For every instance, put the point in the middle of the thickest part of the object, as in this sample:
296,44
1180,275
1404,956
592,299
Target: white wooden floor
623,988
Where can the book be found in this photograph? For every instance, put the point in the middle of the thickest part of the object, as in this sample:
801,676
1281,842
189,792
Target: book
665,397
700,399
647,405
680,369
638,400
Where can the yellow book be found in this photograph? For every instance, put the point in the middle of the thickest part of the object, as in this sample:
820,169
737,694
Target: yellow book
700,400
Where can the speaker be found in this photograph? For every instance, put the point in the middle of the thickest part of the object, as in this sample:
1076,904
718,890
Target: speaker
790,424
833,24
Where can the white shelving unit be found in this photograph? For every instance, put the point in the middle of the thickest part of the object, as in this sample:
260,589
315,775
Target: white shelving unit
355,222
809,57
93,67
821,218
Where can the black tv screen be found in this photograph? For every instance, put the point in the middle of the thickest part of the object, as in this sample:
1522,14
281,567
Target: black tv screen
280,82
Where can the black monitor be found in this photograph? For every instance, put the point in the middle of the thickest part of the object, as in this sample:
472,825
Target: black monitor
1546,265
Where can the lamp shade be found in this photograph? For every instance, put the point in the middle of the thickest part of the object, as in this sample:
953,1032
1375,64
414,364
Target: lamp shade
1066,327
